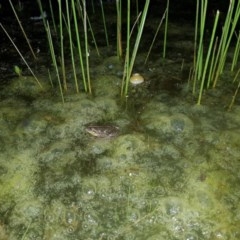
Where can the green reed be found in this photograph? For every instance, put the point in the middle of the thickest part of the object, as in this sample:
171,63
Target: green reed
119,28
206,64
155,36
87,53
197,71
69,30
104,23
207,69
61,37
71,48
22,57
79,47
227,34
80,11
129,62
53,17
23,31
236,52
236,90
165,31
54,61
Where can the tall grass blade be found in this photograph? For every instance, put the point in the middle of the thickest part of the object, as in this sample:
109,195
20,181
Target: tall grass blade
119,28
155,36
79,8
86,45
130,62
23,31
79,48
236,52
62,45
104,23
227,36
124,88
236,91
71,47
54,58
165,32
206,65
24,60
53,17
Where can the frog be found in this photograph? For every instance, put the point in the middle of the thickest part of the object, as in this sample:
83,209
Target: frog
102,131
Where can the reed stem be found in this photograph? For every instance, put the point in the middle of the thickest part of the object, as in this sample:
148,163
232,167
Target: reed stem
165,31
62,45
155,36
23,31
86,45
24,60
79,48
104,23
54,58
119,28
71,48
206,65
130,62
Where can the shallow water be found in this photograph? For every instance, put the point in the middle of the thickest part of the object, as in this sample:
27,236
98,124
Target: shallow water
172,172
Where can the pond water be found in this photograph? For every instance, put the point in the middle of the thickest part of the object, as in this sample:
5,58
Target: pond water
171,172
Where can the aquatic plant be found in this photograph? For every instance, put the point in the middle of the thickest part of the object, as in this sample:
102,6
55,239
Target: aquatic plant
207,69
129,61
166,30
155,36
22,29
22,57
77,11
119,28
104,23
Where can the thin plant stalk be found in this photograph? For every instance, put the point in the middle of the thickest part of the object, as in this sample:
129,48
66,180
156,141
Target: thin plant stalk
155,36
71,47
50,78
79,48
119,28
53,17
198,69
62,45
104,23
228,36
93,36
236,52
135,23
126,64
54,59
86,45
136,46
137,9
207,58
211,68
24,60
25,233
182,65
195,48
165,31
236,91
89,25
23,31
42,13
